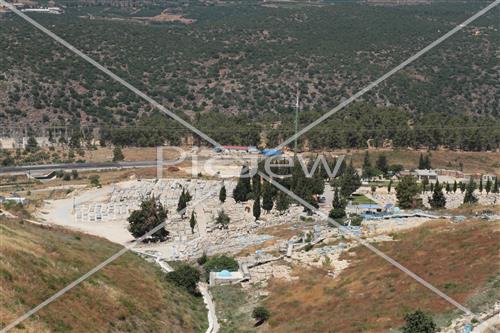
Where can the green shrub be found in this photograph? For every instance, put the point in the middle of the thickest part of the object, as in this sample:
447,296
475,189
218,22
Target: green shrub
219,263
185,276
261,314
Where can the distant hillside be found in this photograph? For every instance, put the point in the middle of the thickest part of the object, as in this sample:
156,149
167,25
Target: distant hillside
240,62
127,296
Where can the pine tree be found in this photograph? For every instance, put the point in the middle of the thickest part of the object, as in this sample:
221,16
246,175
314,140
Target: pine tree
438,199
222,194
406,192
267,198
349,182
448,188
256,208
488,186
481,184
192,222
455,187
495,187
469,197
282,202
149,216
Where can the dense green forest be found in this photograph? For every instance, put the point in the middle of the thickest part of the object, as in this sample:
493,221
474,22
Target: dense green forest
233,72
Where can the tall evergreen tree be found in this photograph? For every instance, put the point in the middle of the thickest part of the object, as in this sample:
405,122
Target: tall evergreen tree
469,197
256,185
448,188
267,197
488,186
182,204
421,163
243,188
367,166
495,186
282,202
389,186
222,194
462,187
192,222
481,184
382,164
438,200
349,182
455,186
256,208
427,162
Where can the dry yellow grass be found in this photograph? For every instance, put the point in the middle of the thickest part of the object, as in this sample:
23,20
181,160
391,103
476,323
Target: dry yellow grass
373,296
129,295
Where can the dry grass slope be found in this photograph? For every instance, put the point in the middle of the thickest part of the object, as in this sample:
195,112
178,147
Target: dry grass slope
373,296
129,295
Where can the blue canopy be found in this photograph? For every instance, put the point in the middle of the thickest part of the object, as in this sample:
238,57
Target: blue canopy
271,152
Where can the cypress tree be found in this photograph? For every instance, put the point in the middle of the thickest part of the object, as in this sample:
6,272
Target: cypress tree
243,188
469,197
488,186
192,222
481,185
448,188
222,194
455,187
267,198
462,187
389,186
421,164
256,208
182,204
495,187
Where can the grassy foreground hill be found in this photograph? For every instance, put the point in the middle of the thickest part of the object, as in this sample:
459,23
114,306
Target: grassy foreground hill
129,295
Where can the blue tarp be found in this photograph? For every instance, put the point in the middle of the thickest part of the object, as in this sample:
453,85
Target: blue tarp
271,152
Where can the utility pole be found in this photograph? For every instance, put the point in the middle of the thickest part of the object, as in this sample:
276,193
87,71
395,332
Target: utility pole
297,106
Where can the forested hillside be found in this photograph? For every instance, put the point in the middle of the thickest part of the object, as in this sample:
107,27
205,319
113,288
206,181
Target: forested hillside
235,65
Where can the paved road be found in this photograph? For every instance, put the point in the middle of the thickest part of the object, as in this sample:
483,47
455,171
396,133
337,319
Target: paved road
75,166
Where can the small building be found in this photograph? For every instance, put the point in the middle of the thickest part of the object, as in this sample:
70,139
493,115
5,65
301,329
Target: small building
18,200
225,277
422,174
